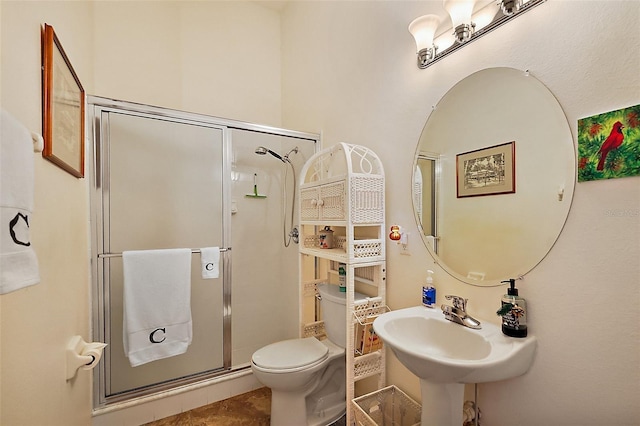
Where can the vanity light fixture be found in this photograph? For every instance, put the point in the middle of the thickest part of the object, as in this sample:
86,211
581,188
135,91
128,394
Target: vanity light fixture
466,26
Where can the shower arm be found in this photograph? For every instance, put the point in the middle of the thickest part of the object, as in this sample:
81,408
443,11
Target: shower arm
286,157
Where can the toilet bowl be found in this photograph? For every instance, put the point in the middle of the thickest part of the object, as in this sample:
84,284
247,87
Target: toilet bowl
307,376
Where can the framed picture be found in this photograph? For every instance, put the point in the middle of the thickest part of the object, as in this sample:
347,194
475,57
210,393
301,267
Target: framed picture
609,145
62,107
487,171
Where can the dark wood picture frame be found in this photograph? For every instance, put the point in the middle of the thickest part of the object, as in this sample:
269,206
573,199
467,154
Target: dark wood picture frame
486,171
63,101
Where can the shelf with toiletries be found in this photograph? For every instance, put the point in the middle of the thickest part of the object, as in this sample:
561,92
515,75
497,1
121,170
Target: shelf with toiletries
342,243
363,274
356,244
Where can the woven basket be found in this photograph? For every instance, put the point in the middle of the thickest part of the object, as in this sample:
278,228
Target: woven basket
388,406
367,199
367,248
367,365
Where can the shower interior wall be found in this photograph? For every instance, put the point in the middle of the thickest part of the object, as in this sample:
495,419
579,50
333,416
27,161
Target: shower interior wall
265,273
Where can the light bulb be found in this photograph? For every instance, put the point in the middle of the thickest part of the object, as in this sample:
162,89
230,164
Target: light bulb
459,10
423,30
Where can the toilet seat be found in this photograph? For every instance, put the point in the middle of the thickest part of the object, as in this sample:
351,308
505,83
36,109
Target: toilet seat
291,355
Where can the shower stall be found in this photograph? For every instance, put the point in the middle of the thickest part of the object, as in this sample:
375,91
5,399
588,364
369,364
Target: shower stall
170,179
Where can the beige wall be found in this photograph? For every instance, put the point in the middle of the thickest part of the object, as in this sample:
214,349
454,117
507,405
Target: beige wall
217,58
37,322
210,57
356,61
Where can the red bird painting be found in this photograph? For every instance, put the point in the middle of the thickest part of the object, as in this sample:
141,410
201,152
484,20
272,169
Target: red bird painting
613,141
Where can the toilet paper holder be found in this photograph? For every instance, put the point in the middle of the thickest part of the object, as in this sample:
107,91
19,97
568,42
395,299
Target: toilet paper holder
81,354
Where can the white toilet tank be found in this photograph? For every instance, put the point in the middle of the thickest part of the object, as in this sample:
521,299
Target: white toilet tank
333,304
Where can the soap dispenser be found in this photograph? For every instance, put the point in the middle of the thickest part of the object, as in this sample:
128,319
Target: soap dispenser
513,312
429,291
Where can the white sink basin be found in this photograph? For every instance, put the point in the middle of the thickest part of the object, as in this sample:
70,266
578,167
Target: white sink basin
445,355
439,350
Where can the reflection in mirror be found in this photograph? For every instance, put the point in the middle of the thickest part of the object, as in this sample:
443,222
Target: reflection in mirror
482,240
424,192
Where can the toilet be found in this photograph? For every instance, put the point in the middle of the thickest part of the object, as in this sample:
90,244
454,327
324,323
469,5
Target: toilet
307,376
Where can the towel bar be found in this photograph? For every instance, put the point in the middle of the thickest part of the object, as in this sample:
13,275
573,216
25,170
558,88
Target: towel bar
105,255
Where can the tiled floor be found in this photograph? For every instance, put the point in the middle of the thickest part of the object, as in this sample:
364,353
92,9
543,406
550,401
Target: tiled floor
249,409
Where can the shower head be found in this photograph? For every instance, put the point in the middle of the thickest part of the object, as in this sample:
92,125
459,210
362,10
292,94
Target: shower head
261,150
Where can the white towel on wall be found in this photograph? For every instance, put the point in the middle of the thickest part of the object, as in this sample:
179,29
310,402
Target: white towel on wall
157,304
18,261
210,259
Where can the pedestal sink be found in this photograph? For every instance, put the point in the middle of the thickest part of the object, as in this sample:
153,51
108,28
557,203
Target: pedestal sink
446,355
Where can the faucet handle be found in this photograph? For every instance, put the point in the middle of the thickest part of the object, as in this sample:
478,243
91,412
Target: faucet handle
458,302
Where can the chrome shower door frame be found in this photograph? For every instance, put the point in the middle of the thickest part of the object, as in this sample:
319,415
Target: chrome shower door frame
98,110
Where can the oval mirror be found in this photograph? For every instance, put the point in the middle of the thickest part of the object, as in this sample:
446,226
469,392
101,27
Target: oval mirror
494,175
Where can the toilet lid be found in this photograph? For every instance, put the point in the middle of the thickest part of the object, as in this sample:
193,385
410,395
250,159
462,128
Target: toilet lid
292,353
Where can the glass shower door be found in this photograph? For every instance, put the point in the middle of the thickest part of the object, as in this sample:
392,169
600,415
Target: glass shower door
162,187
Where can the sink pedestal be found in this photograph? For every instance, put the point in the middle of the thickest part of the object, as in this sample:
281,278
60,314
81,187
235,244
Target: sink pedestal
446,356
441,403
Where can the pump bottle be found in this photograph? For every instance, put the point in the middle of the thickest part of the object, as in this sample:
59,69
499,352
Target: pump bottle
429,291
513,312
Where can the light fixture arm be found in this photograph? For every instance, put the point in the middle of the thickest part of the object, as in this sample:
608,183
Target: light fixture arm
464,32
509,7
426,55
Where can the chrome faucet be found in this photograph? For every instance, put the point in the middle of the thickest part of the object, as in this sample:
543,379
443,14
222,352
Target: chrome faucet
458,312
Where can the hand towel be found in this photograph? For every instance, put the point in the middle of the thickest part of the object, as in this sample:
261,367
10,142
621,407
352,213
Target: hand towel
210,259
157,304
18,261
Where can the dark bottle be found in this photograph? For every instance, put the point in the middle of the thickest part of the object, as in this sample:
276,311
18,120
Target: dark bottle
513,312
